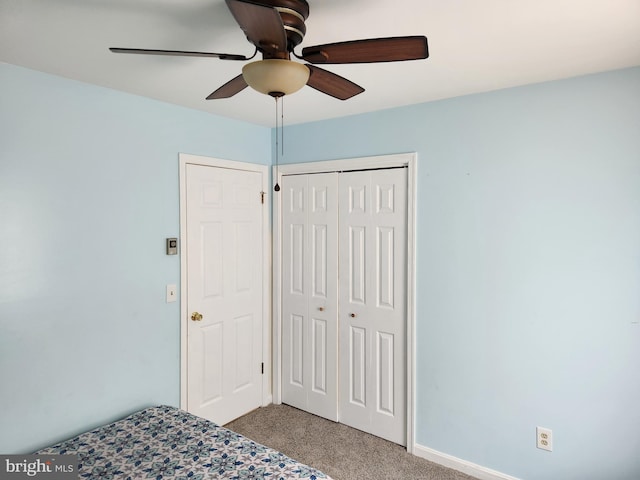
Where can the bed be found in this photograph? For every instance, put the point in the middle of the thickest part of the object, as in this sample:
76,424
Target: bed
168,443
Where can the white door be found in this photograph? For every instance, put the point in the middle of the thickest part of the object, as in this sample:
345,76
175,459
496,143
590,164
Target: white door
309,293
224,276
372,299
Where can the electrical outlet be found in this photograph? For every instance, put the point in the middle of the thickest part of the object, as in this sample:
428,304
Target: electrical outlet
544,438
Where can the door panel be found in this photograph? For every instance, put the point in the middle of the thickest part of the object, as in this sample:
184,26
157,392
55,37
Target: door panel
372,306
212,363
319,349
211,269
244,341
357,368
294,295
357,264
296,348
224,278
385,375
385,267
296,262
309,293
319,267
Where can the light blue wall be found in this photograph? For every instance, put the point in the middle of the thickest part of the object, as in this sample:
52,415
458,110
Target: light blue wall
528,270
88,193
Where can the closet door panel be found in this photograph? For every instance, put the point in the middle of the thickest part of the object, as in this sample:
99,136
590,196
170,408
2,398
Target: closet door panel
295,358
344,298
295,281
357,264
322,222
310,252
372,312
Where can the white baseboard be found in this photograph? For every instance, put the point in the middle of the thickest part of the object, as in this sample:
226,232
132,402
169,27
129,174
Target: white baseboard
449,461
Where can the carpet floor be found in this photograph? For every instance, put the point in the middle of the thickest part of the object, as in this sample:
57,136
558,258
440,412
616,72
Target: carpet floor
341,452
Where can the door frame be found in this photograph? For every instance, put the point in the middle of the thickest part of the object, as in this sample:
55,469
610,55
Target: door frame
188,159
408,160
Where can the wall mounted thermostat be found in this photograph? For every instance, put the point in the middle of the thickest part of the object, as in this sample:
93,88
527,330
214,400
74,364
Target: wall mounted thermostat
172,246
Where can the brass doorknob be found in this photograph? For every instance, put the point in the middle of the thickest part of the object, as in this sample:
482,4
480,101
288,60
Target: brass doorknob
196,317
321,309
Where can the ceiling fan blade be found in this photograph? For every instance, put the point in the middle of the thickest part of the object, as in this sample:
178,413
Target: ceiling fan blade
332,84
261,24
373,50
229,89
180,53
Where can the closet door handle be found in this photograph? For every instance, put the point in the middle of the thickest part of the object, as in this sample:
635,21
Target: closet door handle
353,315
321,309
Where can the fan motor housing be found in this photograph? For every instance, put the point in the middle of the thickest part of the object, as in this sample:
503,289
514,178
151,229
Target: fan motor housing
293,14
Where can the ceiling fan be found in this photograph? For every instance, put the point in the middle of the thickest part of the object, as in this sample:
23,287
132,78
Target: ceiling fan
275,28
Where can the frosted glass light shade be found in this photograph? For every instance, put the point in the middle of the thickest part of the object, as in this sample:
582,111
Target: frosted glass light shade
274,76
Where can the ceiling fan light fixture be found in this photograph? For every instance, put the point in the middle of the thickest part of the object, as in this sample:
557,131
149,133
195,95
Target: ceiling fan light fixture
276,77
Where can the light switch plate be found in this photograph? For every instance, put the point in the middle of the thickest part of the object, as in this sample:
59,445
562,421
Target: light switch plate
172,293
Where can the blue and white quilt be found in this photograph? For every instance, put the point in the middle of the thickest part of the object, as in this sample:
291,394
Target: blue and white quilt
167,443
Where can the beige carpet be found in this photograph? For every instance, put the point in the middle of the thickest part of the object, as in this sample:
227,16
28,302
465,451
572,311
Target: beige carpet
340,451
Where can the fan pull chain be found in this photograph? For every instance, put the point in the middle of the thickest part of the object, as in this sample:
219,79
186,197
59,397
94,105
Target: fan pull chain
277,186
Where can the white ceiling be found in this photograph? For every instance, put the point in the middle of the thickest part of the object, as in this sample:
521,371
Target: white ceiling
475,46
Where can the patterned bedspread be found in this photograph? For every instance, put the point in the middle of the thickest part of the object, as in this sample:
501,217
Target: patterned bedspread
168,443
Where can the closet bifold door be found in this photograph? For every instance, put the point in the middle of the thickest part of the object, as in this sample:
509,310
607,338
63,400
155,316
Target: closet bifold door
310,293
372,301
